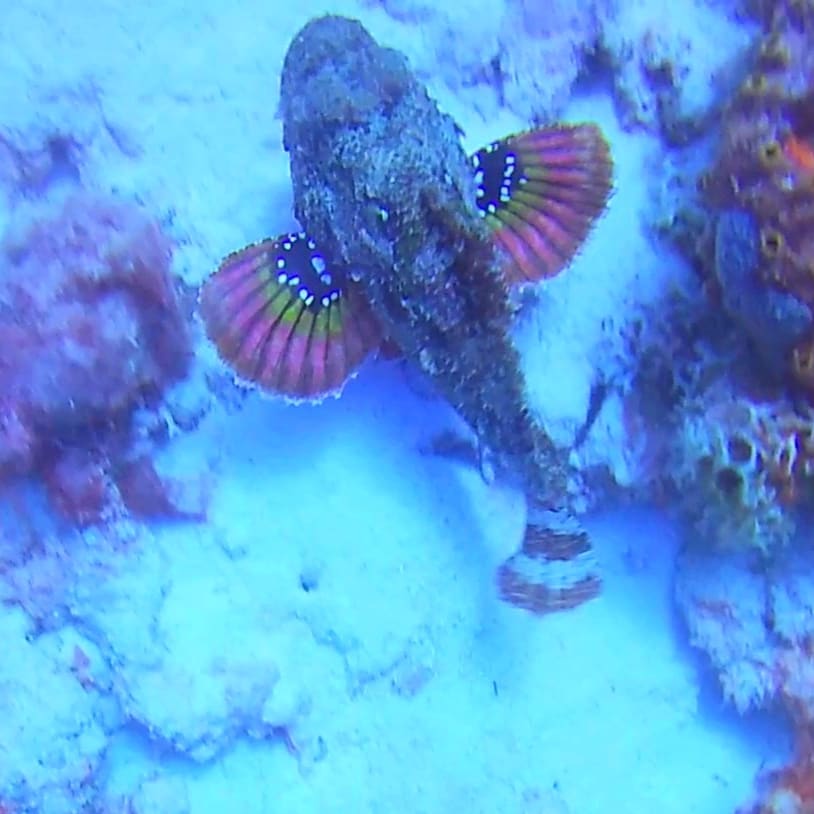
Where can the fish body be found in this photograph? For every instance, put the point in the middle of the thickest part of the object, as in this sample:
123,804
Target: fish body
408,241
382,182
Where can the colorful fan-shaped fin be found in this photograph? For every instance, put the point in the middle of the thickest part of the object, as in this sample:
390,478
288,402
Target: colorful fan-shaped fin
541,192
282,319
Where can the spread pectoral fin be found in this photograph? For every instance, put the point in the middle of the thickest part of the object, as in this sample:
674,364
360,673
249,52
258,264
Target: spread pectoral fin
285,321
541,192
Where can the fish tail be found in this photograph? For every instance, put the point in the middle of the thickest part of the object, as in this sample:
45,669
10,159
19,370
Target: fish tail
555,568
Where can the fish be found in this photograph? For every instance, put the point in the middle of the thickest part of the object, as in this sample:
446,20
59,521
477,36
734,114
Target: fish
800,154
287,320
421,246
555,568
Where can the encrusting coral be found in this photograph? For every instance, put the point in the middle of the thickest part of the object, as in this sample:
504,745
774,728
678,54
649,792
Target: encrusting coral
741,465
744,432
761,191
91,330
742,456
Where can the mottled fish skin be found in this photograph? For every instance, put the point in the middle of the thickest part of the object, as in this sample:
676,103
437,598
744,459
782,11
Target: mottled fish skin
383,185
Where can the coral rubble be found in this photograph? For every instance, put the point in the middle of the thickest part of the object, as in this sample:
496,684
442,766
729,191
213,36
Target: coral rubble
668,62
52,760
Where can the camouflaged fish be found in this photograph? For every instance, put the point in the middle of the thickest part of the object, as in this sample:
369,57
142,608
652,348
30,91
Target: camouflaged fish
407,241
291,322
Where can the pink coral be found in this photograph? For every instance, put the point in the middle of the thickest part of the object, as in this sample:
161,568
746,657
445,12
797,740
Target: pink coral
90,329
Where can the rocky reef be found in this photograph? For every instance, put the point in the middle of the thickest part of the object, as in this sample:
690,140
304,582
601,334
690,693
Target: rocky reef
743,448
740,415
93,330
761,189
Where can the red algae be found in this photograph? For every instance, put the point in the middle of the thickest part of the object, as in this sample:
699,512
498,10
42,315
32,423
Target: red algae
91,329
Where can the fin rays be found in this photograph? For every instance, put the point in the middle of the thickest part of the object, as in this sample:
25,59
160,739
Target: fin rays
541,192
286,322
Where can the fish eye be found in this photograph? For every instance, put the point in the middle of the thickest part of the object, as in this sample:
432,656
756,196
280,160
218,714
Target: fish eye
770,153
771,243
803,361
